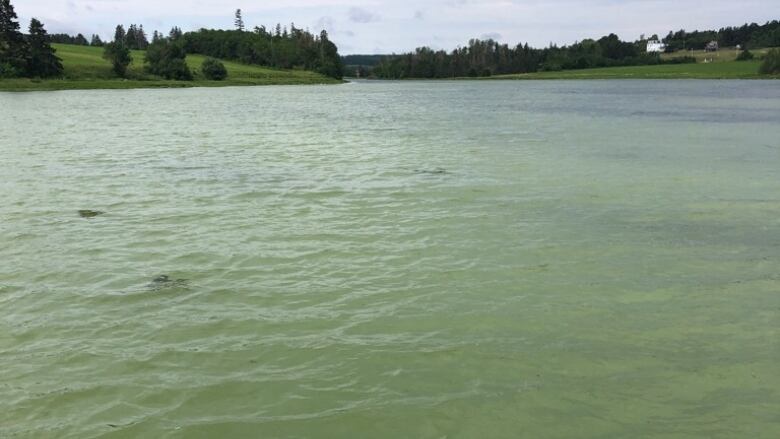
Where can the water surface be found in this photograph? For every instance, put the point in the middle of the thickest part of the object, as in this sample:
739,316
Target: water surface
415,259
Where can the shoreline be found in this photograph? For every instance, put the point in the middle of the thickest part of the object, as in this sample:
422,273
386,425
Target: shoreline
21,85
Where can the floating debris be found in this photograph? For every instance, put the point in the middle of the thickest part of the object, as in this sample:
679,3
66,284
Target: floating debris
164,281
161,279
90,213
434,171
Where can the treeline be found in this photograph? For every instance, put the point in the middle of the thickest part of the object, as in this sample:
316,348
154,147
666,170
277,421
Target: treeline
283,48
749,36
22,55
488,57
135,38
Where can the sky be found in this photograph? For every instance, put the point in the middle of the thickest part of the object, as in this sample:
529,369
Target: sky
394,26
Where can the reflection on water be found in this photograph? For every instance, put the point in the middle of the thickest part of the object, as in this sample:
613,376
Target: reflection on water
412,259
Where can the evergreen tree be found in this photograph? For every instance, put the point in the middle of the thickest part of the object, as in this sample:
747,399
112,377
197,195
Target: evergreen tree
239,21
131,37
156,37
42,61
120,34
175,33
81,40
13,47
96,41
330,61
140,37
118,53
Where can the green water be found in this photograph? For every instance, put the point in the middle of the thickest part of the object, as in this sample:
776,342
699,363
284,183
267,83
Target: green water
392,260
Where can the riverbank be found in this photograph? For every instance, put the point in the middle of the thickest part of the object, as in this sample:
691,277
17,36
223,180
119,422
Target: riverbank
85,69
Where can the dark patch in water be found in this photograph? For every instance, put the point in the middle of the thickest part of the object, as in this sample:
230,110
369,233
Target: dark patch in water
164,281
90,213
434,171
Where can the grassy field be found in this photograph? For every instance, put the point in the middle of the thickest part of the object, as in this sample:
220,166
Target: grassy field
715,70
85,68
720,65
723,55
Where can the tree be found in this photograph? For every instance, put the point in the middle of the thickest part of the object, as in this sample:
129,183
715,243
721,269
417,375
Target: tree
118,53
81,40
131,37
141,42
166,58
213,69
42,61
119,34
96,41
156,37
239,21
13,47
771,64
175,33
330,61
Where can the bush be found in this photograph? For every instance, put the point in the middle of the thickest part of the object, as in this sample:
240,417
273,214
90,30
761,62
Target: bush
213,69
167,59
8,71
771,64
745,55
119,56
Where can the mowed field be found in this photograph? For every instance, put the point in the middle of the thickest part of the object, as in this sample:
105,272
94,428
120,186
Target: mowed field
85,68
720,65
723,55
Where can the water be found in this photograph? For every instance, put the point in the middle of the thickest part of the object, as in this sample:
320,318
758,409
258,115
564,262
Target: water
386,260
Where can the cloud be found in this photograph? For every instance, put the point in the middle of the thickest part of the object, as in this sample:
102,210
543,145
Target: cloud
360,15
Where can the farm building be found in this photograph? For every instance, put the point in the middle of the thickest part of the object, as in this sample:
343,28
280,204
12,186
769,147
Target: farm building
655,46
712,46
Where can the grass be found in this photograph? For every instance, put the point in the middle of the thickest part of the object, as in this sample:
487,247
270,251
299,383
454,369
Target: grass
85,68
721,65
723,55
721,70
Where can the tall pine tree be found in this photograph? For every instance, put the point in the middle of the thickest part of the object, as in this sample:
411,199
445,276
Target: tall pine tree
118,53
239,21
42,61
13,47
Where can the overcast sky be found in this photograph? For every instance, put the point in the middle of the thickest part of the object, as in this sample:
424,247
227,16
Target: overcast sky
386,26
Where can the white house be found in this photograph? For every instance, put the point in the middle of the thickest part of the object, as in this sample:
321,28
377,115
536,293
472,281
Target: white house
655,46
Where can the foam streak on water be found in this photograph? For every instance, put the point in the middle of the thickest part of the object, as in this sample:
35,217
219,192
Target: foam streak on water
414,259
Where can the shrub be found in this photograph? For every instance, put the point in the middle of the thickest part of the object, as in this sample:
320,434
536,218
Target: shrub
213,69
8,71
771,64
167,59
745,55
119,56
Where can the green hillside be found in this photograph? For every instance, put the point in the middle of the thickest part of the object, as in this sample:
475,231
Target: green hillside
85,68
714,70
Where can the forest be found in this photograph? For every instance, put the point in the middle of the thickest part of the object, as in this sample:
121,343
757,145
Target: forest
482,58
